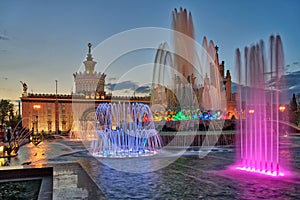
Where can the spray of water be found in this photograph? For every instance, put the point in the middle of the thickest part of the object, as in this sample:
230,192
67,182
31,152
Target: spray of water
258,141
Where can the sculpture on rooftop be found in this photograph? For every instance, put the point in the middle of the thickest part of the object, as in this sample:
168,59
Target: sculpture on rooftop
24,87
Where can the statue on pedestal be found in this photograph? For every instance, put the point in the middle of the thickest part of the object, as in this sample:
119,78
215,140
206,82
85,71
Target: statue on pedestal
24,88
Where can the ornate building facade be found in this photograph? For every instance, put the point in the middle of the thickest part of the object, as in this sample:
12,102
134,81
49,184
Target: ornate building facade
57,112
90,83
47,112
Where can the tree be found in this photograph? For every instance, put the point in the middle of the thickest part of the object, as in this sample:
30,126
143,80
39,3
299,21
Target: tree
293,104
13,122
293,109
298,98
6,111
298,111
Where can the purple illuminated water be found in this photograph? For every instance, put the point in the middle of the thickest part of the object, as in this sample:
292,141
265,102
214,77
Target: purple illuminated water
261,95
121,131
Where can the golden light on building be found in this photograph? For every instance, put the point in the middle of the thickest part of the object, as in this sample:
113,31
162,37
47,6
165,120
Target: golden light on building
36,106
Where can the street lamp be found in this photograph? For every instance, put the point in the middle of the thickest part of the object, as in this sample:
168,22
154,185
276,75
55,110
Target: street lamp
36,123
282,108
36,107
56,110
282,116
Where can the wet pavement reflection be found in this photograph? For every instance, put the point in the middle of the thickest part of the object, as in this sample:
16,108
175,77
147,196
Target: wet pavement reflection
189,177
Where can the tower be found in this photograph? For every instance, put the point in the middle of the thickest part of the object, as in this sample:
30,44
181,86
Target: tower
184,43
90,83
89,63
221,68
228,86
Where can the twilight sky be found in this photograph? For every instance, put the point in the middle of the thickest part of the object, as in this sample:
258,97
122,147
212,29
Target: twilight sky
44,41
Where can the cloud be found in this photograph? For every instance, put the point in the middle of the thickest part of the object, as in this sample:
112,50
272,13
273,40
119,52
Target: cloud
3,37
122,85
112,79
128,87
288,83
143,89
292,83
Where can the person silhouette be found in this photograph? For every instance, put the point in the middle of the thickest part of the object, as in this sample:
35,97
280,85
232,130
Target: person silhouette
8,136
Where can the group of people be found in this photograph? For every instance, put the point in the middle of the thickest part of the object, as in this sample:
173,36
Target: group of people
10,137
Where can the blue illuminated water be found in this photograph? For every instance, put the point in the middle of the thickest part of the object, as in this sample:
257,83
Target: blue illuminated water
124,129
189,177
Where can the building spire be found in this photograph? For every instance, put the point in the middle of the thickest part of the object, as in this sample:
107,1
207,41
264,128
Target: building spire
89,55
217,48
89,63
89,45
217,56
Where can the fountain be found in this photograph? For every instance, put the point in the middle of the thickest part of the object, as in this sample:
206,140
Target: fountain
186,74
124,130
17,137
258,141
187,86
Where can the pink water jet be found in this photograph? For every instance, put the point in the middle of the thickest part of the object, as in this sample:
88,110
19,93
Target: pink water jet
260,97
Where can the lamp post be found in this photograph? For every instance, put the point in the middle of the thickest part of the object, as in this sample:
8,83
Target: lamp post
36,107
36,123
282,108
56,110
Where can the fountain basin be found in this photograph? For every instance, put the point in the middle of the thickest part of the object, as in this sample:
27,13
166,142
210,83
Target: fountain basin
124,130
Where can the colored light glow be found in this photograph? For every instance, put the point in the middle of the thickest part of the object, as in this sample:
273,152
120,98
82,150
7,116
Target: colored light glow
187,114
36,106
264,172
251,111
282,108
115,138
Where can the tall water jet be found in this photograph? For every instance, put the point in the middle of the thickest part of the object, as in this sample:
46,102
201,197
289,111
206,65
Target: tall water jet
258,140
183,23
187,84
123,130
186,74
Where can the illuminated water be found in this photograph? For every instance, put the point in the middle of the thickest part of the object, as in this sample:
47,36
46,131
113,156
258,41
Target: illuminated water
189,177
124,129
259,124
